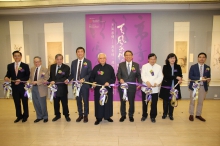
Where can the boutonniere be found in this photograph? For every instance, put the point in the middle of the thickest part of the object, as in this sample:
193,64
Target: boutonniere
60,72
207,69
175,70
42,75
21,69
100,72
133,69
85,64
152,72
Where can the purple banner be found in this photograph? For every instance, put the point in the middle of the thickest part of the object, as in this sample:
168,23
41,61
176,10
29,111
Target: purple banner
113,34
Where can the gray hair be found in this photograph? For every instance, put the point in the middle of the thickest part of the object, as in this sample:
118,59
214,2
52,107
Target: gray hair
37,57
58,56
100,54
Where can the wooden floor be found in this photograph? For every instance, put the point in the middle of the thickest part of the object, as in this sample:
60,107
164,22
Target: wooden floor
180,132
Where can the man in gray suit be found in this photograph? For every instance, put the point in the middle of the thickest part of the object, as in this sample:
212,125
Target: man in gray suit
128,71
38,76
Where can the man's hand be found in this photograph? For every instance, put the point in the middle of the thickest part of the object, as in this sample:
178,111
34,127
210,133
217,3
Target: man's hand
148,84
7,79
178,78
138,87
106,84
180,81
52,82
82,80
66,81
94,84
122,81
208,80
204,79
155,84
34,82
17,82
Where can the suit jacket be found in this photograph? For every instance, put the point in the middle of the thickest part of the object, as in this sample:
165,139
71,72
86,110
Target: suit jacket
23,75
43,76
132,77
60,77
167,80
85,71
194,74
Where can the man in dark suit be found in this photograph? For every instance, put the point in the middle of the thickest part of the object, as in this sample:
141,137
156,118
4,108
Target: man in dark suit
59,72
199,71
128,71
80,71
18,71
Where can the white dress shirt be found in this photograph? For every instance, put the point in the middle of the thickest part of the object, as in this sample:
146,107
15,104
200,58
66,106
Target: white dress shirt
78,67
37,71
146,76
130,65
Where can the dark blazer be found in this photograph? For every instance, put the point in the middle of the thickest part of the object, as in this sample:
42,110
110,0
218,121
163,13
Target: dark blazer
85,71
167,80
194,74
133,77
23,75
60,77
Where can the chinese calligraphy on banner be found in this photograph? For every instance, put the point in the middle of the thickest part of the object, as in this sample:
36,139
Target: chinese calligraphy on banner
113,34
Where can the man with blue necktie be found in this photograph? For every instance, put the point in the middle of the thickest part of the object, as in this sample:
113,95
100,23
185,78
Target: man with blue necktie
199,71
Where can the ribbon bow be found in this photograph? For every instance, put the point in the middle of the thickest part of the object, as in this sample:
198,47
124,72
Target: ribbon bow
124,87
28,91
148,96
103,95
53,90
7,89
195,87
76,88
174,96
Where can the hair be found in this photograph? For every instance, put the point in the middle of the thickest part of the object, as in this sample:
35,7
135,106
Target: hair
202,53
58,56
170,56
100,54
37,57
16,52
80,48
128,51
152,55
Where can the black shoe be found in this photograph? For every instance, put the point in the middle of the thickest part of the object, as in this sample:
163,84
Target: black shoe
45,120
122,118
143,118
97,122
79,118
17,120
68,119
24,120
55,119
131,119
153,120
164,117
110,120
37,120
171,118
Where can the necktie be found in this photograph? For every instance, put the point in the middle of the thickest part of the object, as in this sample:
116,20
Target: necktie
58,69
35,75
16,69
128,69
79,71
201,75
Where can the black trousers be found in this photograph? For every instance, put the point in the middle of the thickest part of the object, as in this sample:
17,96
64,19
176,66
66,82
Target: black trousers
131,97
153,111
83,96
167,108
64,102
18,96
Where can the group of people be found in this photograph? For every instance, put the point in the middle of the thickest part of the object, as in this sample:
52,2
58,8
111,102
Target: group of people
151,76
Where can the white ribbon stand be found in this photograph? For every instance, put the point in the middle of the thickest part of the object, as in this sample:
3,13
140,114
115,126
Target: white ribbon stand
124,87
7,89
28,92
53,89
